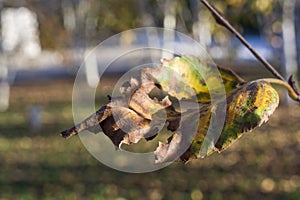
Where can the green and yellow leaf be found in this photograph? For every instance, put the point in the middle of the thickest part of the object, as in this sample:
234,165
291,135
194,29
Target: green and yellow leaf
133,115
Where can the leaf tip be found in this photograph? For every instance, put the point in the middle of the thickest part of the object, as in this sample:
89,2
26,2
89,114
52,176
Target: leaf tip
68,133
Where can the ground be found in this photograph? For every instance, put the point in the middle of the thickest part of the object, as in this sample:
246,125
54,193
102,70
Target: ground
39,164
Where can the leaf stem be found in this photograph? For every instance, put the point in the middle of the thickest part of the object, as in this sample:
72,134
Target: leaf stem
294,95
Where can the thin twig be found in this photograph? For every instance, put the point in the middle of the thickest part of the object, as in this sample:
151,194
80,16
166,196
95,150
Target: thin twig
222,21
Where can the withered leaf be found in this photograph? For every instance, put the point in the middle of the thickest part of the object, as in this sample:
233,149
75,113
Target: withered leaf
136,114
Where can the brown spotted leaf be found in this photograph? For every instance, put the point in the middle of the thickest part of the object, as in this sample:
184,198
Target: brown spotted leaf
139,111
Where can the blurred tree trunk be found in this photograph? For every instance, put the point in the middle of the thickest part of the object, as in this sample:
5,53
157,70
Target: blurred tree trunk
147,19
75,20
289,38
201,24
69,16
4,85
169,23
297,21
194,6
205,28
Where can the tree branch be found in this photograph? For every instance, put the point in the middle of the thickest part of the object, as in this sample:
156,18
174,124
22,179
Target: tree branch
223,22
220,19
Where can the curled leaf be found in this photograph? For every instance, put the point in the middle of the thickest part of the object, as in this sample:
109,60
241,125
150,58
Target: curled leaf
137,112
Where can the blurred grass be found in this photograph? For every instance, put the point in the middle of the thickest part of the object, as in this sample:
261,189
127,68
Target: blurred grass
40,164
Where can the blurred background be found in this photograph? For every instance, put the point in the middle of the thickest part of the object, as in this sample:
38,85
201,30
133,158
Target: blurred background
43,44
